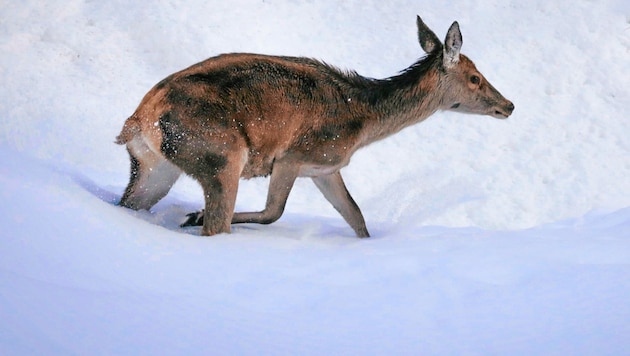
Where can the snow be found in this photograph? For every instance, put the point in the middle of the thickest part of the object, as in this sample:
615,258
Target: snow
489,237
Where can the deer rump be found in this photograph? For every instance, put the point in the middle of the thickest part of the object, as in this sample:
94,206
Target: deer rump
248,115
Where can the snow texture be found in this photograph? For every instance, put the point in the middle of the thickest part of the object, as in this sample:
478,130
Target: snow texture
489,237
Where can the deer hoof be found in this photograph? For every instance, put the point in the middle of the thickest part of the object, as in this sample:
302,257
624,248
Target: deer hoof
193,219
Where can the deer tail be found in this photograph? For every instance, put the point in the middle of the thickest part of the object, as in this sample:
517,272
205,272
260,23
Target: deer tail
130,129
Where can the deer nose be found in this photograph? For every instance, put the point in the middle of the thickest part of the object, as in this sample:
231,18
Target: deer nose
510,107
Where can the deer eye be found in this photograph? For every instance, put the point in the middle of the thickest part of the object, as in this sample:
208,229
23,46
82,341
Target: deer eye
475,79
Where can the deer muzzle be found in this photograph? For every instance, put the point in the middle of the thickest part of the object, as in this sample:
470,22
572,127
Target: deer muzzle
503,110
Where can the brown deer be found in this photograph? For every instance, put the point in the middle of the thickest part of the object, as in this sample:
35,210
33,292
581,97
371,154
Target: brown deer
249,115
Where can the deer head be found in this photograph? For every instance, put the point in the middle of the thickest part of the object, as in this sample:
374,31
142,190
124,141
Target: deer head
466,90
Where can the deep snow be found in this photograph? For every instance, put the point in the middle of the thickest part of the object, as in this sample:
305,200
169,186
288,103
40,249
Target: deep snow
490,237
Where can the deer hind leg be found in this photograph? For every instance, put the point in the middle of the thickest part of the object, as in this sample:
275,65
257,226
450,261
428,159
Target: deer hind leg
335,191
152,176
218,175
282,178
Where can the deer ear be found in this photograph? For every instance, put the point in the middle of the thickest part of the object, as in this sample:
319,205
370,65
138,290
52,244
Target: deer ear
452,45
428,40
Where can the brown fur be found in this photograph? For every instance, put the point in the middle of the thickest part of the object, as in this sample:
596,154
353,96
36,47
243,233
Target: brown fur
248,115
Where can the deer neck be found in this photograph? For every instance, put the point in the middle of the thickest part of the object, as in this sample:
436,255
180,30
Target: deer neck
402,100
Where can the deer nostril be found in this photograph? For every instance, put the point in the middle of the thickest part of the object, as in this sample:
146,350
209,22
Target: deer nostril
510,107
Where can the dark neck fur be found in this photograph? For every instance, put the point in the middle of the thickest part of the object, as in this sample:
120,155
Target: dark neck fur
401,100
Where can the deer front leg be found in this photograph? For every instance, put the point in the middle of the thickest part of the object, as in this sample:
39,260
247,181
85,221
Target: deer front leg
337,194
282,178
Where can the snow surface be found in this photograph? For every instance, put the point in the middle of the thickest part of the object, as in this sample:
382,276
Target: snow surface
489,237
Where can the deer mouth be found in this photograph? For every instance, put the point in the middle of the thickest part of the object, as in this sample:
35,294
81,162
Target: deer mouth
499,115
503,112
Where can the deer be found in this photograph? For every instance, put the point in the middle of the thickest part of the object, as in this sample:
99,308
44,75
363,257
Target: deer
241,115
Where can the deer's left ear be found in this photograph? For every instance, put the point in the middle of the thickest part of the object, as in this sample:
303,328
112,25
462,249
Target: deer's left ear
427,38
452,45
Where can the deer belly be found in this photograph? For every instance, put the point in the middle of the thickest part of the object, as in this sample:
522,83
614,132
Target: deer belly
315,170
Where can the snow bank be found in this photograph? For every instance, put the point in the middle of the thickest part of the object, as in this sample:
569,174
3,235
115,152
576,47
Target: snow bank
79,275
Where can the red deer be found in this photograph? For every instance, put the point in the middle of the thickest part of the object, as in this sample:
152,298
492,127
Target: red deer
250,115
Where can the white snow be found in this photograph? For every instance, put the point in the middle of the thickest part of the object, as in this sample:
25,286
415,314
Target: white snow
489,237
